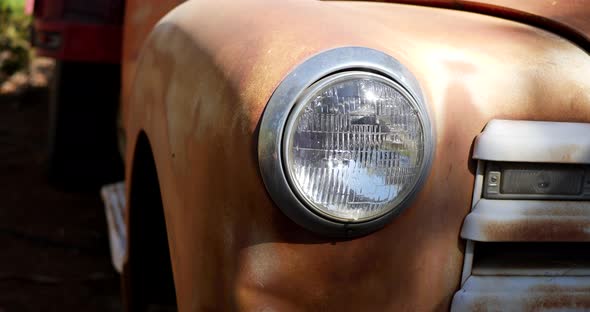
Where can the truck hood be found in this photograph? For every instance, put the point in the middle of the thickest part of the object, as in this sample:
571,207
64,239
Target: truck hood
567,18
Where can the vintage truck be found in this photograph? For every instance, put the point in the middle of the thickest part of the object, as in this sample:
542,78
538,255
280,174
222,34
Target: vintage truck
85,38
305,155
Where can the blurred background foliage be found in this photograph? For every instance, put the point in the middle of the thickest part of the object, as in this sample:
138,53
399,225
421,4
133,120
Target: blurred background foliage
15,49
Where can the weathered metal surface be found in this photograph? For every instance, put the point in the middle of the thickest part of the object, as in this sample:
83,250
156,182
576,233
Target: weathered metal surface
534,141
204,78
572,14
469,245
566,18
140,18
523,293
528,220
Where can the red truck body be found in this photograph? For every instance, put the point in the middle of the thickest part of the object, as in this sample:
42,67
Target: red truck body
81,31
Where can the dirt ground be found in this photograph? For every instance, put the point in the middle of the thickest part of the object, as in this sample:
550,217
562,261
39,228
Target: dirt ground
54,253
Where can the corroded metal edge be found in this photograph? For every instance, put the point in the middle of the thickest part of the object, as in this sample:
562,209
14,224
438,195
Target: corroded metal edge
528,220
523,293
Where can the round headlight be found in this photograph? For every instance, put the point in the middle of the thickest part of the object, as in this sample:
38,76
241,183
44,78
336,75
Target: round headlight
354,146
345,142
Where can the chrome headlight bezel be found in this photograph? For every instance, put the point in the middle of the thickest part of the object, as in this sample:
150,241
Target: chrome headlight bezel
275,120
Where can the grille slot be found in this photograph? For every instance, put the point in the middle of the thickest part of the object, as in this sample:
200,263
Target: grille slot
528,232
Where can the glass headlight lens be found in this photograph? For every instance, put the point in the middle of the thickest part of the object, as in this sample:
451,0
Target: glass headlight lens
354,146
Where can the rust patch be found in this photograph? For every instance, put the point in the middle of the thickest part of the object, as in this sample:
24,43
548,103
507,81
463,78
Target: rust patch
506,293
537,230
565,152
558,297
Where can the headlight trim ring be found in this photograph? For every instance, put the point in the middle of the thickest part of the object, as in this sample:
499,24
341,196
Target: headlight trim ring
280,106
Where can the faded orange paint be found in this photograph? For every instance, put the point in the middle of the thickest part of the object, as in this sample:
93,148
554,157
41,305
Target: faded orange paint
569,12
204,78
140,18
566,17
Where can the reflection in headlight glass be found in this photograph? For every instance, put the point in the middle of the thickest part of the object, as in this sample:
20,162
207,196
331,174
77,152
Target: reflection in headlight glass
356,148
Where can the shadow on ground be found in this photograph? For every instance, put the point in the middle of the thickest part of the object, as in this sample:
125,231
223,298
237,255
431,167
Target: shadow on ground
54,252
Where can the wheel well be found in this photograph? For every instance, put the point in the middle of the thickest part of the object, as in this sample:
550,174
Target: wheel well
147,277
